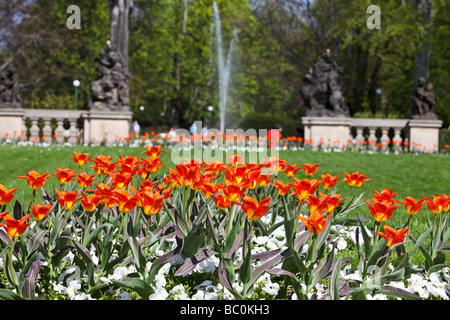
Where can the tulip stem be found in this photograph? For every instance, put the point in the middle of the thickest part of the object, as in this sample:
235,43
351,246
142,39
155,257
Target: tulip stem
146,232
86,225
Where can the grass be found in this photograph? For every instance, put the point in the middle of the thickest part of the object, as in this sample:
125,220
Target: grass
407,174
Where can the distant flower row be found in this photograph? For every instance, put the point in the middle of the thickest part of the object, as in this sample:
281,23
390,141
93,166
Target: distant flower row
236,140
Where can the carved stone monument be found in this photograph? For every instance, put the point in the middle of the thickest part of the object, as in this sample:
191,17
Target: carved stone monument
110,91
322,80
423,101
9,89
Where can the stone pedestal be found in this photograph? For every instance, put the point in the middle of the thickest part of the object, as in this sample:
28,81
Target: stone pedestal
424,135
334,131
106,127
11,123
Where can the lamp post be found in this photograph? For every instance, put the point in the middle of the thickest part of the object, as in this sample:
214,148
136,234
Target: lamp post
379,91
210,109
141,108
76,84
163,118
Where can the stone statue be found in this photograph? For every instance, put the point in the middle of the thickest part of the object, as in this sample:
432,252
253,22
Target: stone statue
322,79
423,100
9,89
110,91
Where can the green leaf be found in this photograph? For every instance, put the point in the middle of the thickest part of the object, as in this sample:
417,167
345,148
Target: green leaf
140,286
334,280
437,267
397,293
9,295
94,234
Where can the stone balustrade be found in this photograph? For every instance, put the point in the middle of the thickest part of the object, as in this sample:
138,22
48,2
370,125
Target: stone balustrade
374,134
59,126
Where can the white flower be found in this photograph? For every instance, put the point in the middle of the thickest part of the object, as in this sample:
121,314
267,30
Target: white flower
378,296
159,295
72,288
341,244
271,288
179,293
199,295
124,296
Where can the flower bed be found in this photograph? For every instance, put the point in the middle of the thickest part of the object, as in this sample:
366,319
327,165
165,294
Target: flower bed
123,230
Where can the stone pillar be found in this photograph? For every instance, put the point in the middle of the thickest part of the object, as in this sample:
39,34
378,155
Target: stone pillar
424,132
106,126
11,120
324,128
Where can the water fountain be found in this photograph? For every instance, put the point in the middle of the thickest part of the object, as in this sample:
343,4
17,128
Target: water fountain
224,68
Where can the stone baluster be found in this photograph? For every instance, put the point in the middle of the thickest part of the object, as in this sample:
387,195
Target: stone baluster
384,139
34,131
372,139
47,130
398,140
59,131
73,132
359,139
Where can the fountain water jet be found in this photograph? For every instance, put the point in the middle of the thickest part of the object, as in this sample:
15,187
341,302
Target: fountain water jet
224,68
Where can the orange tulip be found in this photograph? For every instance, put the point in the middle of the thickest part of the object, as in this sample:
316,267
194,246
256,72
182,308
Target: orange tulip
263,180
316,222
412,206
393,236
67,199
126,201
385,195
128,164
355,179
291,170
222,202
103,165
81,158
35,180
253,209
152,203
90,202
215,166
15,228
281,187
381,210
303,188
6,195
152,165
209,189
153,152
437,205
40,211
310,169
64,175
121,180
329,181
84,180
332,202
